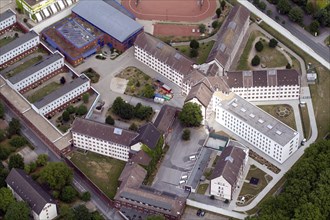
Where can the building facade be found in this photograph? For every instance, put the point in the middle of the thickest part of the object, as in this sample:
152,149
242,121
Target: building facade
19,46
24,188
7,19
255,126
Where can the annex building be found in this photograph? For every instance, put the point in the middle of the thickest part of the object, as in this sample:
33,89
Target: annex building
7,20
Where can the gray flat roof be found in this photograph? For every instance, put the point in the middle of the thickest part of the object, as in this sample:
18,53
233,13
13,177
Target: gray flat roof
6,14
17,42
36,67
61,91
107,18
258,119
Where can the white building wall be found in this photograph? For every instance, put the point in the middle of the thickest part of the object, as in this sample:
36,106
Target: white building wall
7,22
158,66
99,146
64,99
48,212
20,49
220,188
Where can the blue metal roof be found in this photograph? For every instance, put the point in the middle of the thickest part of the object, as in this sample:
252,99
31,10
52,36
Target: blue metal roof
107,18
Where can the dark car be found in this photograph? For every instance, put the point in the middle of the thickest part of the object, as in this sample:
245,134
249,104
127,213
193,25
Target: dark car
202,213
199,211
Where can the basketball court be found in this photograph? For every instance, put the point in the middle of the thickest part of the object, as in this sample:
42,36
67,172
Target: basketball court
171,10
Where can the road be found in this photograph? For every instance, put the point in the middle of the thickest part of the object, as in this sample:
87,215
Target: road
80,184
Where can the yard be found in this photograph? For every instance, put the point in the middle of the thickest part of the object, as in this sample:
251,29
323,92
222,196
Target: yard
23,66
284,113
6,40
42,92
271,57
92,75
101,170
203,51
202,188
249,191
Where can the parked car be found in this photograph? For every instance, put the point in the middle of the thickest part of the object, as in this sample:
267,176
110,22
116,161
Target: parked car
198,212
202,213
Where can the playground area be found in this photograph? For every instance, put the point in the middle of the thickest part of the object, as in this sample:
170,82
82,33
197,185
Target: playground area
171,10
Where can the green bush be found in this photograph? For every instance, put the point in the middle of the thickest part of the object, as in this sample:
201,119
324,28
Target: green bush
86,196
68,194
259,46
42,160
82,110
133,127
18,141
186,135
272,43
4,153
65,116
109,120
255,61
71,109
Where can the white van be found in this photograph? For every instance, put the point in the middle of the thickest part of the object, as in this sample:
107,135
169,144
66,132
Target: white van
182,182
193,157
184,177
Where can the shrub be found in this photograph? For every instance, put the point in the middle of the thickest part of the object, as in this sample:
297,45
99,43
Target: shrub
42,160
194,44
33,166
133,127
18,141
215,24
186,135
272,43
4,153
71,109
218,12
202,28
65,116
288,66
16,161
255,61
109,120
62,80
262,6
193,53
259,46
86,196
56,194
82,110
2,135
68,194
85,98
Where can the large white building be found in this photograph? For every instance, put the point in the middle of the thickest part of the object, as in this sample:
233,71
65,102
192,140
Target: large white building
255,126
228,172
24,188
7,19
35,74
61,98
19,46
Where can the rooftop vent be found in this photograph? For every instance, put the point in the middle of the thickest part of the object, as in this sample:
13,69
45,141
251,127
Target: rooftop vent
177,56
278,132
261,121
252,115
269,126
234,104
160,45
229,158
243,109
118,131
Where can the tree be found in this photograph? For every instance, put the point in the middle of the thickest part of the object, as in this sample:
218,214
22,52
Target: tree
269,12
68,194
223,4
142,112
191,115
288,66
148,91
18,211
193,53
14,127
109,120
62,80
85,98
202,28
218,12
259,46
256,2
16,35
323,16
71,109
4,153
86,196
296,14
309,8
56,175
66,116
3,175
2,111
18,141
81,213
16,161
42,160
272,43
194,44
25,20
33,166
314,27
82,110
255,60
186,135
262,6
215,24
97,216
283,6
133,127
2,135
6,198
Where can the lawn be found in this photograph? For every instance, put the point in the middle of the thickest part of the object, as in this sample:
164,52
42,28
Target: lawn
288,119
305,121
101,170
271,57
42,92
202,188
6,40
254,190
23,66
320,91
92,75
203,51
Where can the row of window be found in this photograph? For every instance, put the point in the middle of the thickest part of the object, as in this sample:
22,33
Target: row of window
6,23
118,155
20,49
266,89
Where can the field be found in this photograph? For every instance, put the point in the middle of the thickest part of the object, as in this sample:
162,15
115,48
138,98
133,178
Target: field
203,51
42,92
101,170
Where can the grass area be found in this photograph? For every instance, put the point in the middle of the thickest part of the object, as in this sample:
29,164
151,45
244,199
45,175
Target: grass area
305,121
320,3
320,91
271,57
243,63
327,41
92,75
295,64
23,66
254,190
42,92
202,188
203,51
6,40
101,170
207,173
277,110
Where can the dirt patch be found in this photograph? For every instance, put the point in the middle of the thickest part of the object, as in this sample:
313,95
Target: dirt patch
176,30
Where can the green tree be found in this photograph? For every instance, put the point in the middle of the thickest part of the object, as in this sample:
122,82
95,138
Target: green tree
259,46
202,28
56,175
296,14
81,213
288,66
272,43
97,216
85,98
16,161
68,194
309,8
66,116
66,212
14,127
148,91
71,109
6,198
117,105
109,120
283,6
3,175
33,166
186,135
194,44
191,115
314,27
215,24
223,4
2,111
262,6
4,153
193,53
255,60
323,16
86,196
2,135
133,127
27,168
42,160
82,110
256,2
142,112
18,141
218,12
18,211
